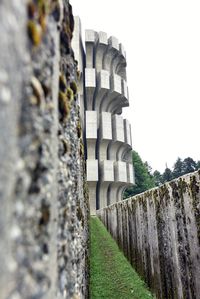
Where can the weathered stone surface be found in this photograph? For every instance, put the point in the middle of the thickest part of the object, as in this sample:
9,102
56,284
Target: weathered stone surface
44,208
159,232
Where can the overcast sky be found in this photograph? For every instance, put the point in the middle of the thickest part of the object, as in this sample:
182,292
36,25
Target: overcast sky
162,42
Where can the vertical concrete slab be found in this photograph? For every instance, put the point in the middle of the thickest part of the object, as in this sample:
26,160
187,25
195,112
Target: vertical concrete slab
159,233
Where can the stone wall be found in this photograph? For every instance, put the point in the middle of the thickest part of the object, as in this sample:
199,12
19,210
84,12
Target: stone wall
43,195
159,232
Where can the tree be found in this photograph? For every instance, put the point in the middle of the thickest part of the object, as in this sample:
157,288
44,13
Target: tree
167,175
198,165
148,167
178,169
158,178
189,165
143,179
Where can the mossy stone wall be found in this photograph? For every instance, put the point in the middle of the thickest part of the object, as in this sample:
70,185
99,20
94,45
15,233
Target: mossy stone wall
44,202
159,233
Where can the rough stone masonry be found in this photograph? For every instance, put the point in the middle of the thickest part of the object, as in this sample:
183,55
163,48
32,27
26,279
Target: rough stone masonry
43,195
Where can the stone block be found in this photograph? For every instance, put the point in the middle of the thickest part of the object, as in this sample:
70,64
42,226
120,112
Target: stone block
91,124
118,128
127,132
104,80
120,171
130,173
90,78
107,171
116,83
106,126
90,36
92,170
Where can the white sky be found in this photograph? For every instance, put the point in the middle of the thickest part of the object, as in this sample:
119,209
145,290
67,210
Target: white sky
162,42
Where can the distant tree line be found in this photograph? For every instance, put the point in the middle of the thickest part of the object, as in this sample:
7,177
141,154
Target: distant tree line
145,179
180,168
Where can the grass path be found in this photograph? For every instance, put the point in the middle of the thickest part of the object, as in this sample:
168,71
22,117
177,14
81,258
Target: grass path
112,277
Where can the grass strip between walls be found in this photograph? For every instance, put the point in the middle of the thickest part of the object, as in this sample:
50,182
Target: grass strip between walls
112,276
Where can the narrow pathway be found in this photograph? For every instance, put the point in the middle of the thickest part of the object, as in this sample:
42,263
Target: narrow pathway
112,277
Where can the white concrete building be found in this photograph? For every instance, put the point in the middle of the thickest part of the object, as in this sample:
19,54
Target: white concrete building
103,93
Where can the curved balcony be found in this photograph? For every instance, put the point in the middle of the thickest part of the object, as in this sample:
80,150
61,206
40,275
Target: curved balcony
105,53
120,192
119,63
120,172
101,47
117,96
125,151
110,54
103,87
106,178
118,137
109,93
130,182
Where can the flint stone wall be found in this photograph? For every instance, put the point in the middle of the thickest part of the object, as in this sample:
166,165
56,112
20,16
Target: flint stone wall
43,195
159,232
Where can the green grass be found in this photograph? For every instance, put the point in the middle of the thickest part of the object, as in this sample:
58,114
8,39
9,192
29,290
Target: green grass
112,277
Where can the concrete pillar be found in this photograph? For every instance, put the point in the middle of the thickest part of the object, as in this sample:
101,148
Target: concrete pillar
92,179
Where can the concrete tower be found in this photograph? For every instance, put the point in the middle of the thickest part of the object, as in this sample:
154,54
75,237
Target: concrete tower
107,134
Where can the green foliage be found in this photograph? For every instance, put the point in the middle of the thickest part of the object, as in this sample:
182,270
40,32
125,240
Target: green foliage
157,178
143,178
183,167
111,275
198,164
189,165
180,168
167,175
